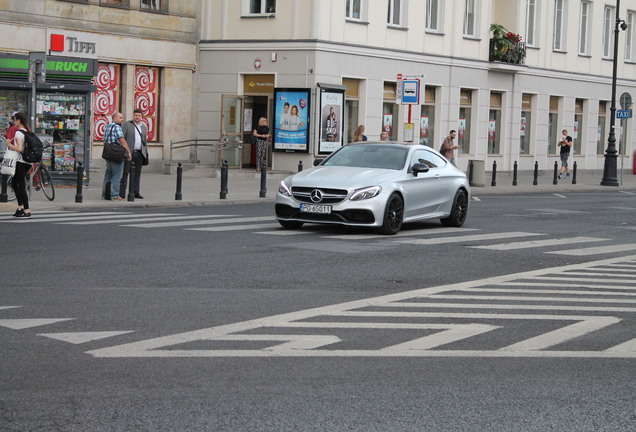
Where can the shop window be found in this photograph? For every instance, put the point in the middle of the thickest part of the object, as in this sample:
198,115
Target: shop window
154,5
115,3
427,117
525,124
579,126
602,119
259,7
147,98
553,125
352,107
465,119
106,98
10,102
494,124
390,110
356,9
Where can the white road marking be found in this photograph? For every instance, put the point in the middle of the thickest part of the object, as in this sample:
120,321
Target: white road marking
19,324
9,307
296,345
539,243
405,233
626,347
529,299
508,290
211,221
143,218
476,199
232,228
284,232
560,196
627,193
569,285
82,337
74,216
467,238
597,250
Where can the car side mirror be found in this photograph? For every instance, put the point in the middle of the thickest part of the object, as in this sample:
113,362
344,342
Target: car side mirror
419,168
318,161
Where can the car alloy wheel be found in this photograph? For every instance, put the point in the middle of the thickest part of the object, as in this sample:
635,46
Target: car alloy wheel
393,215
459,211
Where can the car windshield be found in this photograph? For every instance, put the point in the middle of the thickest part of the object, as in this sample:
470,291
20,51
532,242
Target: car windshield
369,156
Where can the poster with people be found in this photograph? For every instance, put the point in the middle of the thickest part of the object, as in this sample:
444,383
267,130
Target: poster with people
291,120
331,120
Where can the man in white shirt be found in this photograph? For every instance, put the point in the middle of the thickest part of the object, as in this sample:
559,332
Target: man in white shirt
136,135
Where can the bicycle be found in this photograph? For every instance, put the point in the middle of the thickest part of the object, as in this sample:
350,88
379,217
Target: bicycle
39,178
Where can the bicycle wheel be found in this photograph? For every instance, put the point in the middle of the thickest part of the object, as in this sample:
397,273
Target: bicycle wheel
44,181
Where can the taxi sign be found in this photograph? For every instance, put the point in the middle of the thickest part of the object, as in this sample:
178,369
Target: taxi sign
623,114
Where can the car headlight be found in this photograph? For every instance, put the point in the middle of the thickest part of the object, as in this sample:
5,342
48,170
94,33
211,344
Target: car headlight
366,193
284,189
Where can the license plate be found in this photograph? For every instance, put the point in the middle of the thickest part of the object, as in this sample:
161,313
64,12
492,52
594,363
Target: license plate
313,208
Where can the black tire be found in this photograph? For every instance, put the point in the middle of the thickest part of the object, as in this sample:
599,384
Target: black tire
291,224
393,215
46,182
459,211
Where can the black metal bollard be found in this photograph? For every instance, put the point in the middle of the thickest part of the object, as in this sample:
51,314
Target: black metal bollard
514,174
574,173
300,166
80,176
263,192
131,182
494,174
536,174
556,170
471,167
224,169
3,189
177,195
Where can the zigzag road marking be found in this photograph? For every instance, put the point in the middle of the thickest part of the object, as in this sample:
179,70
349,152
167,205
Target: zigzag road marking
74,216
145,218
405,233
539,243
232,228
631,247
303,345
83,337
19,324
201,222
468,238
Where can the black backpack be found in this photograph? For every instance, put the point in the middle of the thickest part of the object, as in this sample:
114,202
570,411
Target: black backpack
32,151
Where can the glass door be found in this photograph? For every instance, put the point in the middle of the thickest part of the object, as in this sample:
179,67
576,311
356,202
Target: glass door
232,128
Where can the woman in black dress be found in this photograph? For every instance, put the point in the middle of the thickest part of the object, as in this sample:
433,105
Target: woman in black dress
262,136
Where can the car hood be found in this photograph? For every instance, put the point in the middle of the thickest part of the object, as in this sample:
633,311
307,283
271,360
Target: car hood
337,177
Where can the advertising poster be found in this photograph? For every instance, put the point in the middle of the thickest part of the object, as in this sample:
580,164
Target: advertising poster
461,128
388,124
424,127
575,132
331,120
291,120
523,127
492,127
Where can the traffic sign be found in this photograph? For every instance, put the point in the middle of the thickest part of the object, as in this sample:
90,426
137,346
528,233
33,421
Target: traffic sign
623,114
411,92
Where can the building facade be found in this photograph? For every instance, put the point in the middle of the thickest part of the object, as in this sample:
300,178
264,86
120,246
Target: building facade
102,56
508,103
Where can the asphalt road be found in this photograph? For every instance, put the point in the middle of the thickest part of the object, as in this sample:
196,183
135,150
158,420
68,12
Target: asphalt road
169,320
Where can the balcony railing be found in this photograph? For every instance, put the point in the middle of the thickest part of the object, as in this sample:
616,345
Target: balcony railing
507,52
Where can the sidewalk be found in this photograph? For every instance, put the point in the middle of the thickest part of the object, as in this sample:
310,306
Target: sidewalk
199,188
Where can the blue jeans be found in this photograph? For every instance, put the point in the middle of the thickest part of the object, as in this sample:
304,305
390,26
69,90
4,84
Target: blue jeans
112,174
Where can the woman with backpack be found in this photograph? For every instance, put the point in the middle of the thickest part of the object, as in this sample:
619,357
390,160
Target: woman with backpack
22,168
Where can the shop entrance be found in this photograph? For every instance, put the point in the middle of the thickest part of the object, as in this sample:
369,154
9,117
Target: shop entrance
255,107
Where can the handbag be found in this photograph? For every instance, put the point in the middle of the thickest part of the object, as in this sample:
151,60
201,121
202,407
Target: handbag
112,151
9,162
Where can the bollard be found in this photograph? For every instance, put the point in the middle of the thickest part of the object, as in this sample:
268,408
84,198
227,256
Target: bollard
536,174
263,192
471,167
514,174
224,168
494,174
556,170
3,190
177,195
300,166
131,183
80,176
574,173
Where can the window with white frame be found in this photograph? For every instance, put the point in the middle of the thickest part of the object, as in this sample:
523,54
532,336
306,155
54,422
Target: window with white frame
629,36
470,18
396,13
531,22
259,7
584,26
558,44
434,14
608,29
356,9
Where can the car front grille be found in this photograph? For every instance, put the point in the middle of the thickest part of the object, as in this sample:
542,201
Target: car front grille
329,196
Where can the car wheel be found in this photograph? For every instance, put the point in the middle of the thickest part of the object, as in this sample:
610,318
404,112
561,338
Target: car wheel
459,211
291,224
393,215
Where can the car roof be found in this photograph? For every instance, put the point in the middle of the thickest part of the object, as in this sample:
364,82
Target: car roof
388,143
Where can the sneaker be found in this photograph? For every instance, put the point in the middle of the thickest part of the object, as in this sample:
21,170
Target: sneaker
117,198
567,175
24,215
560,177
18,212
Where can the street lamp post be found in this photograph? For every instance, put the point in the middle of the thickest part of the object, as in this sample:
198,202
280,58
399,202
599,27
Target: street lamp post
609,169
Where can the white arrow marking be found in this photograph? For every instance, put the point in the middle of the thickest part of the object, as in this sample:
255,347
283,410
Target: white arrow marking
82,337
19,324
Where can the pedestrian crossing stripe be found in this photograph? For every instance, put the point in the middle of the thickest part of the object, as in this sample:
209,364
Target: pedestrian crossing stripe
140,218
212,221
20,324
83,337
468,238
630,247
539,243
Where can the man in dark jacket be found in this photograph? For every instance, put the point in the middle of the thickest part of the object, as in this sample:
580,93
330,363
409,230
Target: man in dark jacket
136,135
